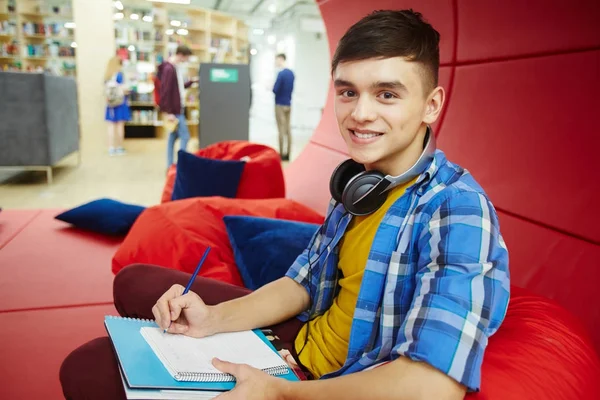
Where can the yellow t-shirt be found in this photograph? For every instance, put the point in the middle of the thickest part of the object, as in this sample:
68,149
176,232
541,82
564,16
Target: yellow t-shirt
329,334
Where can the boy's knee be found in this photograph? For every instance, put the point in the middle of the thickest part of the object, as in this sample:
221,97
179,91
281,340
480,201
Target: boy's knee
75,366
126,281
91,372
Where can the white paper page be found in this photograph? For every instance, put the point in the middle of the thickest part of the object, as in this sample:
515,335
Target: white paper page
141,394
194,355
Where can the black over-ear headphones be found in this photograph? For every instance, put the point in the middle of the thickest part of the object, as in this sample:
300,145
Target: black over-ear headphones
363,192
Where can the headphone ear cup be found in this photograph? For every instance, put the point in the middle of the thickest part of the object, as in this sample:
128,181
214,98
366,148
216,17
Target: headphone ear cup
357,187
342,174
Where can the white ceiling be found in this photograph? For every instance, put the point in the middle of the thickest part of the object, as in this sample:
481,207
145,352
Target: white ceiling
255,12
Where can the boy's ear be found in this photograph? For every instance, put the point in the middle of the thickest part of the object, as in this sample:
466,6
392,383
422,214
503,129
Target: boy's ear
435,103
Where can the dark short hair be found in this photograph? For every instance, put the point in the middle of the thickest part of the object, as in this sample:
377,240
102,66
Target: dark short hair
183,50
281,55
392,33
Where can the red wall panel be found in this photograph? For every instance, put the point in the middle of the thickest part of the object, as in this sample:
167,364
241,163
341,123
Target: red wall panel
508,28
524,129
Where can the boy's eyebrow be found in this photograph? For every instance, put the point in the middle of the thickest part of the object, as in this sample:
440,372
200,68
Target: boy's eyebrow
395,85
341,82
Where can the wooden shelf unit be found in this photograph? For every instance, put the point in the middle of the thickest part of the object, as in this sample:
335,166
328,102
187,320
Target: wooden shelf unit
34,49
205,28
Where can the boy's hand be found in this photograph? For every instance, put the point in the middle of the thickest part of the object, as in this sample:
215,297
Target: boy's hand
190,315
251,383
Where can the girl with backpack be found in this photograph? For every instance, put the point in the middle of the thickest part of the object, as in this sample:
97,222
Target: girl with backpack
117,109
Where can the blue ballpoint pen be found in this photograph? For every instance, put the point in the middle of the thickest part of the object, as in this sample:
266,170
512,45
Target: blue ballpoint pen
189,285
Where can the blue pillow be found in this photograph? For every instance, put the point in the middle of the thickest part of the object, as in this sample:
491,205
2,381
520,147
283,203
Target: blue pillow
203,177
265,248
107,216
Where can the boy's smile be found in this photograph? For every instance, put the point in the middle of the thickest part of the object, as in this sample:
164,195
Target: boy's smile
383,111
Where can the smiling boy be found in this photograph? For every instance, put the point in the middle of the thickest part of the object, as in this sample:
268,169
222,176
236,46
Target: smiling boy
397,294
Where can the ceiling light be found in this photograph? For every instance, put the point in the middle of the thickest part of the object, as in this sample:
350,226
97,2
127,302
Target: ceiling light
134,17
273,8
119,15
175,23
147,18
182,32
70,25
131,48
253,52
74,45
118,5
258,31
169,32
171,1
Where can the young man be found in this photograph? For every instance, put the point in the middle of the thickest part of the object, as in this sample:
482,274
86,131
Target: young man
394,302
283,88
172,98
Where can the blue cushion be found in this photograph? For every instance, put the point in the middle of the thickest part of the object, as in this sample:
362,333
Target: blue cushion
265,248
107,216
203,177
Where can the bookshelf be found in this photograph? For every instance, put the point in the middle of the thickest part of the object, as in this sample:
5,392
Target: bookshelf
160,27
36,37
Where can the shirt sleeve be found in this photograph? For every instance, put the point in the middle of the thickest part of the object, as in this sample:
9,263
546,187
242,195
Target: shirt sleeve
462,289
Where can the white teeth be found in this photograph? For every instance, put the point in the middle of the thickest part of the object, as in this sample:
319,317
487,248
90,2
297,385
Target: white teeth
365,135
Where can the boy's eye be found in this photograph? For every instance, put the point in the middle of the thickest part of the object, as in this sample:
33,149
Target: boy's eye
388,95
348,93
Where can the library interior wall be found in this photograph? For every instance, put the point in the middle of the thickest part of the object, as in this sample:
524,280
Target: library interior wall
95,40
307,55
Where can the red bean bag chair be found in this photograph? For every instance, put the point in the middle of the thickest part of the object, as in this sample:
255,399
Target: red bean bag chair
176,234
262,177
540,352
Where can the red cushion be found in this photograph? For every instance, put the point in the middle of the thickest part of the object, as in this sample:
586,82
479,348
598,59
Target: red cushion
262,177
33,345
176,234
51,264
14,221
539,352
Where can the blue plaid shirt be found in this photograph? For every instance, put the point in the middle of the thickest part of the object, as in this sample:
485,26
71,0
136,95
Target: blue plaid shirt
436,283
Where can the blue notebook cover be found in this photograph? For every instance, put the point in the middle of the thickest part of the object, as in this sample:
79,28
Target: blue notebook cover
140,366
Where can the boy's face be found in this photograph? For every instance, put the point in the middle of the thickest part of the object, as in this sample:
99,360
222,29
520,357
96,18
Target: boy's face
181,59
382,111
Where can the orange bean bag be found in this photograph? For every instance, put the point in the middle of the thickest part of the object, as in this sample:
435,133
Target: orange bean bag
176,234
540,352
262,177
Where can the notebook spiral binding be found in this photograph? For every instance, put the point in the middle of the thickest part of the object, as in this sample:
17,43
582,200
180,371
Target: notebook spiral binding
223,377
129,318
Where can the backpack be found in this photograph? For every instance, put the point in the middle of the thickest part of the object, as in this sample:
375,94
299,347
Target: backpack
115,95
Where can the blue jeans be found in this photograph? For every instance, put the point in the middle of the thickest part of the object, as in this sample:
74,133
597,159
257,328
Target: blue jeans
182,132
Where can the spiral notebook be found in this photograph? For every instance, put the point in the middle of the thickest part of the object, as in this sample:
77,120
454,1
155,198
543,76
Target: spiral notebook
189,359
163,365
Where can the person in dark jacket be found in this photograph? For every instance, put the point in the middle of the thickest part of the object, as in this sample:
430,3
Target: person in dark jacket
172,98
284,85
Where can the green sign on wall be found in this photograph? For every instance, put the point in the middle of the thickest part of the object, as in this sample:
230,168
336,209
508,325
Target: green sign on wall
223,75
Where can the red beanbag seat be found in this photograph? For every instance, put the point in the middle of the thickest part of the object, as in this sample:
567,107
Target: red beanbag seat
176,234
539,352
262,177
